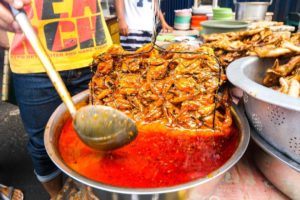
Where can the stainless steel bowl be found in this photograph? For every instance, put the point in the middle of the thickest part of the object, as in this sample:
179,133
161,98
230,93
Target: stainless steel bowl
274,115
280,170
204,186
251,11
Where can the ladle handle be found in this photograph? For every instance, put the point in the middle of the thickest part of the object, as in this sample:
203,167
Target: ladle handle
30,34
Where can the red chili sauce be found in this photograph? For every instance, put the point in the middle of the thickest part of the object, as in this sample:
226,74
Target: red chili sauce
154,159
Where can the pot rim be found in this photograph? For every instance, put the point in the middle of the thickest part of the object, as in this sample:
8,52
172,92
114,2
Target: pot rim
236,75
239,119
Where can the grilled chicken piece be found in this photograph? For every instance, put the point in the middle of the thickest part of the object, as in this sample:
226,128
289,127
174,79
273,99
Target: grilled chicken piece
271,51
284,78
261,42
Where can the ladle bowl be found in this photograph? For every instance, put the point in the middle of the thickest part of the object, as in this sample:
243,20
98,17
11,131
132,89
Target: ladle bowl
104,128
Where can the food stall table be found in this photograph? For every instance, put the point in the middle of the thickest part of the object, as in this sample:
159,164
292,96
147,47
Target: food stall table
244,182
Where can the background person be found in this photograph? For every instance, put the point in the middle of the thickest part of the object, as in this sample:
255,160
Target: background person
70,31
136,22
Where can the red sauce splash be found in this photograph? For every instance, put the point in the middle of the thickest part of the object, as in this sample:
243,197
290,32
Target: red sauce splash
154,159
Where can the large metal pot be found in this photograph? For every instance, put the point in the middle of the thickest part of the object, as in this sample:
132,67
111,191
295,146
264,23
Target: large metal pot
274,115
251,11
197,189
280,170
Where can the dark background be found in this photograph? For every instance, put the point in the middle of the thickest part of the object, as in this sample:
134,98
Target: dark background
281,8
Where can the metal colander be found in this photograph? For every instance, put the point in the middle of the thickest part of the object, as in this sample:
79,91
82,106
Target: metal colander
274,115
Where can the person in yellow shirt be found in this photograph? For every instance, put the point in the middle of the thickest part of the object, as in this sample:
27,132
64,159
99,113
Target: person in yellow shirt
71,32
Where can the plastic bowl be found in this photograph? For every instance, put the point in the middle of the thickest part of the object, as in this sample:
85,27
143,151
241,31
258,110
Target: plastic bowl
222,26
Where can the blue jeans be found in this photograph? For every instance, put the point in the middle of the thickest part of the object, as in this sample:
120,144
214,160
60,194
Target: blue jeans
37,100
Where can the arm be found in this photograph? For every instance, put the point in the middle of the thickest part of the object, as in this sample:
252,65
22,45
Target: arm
165,26
4,39
123,27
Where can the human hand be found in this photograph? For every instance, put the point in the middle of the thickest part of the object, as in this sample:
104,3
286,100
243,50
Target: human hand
4,39
123,27
7,21
166,28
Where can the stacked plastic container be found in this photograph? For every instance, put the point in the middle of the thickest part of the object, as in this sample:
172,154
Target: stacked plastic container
196,21
200,14
182,19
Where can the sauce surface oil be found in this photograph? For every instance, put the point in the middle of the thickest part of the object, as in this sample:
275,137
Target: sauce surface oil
154,159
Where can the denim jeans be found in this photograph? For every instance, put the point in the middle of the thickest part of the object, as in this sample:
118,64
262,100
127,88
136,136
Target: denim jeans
37,100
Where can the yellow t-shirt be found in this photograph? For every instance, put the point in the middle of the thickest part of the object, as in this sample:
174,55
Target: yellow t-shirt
71,32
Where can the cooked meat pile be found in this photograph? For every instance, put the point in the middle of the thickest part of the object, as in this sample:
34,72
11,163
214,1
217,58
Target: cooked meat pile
178,90
284,78
261,42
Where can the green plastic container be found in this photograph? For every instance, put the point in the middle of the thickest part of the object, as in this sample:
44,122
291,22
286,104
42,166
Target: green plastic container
223,17
222,14
182,19
222,10
222,26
